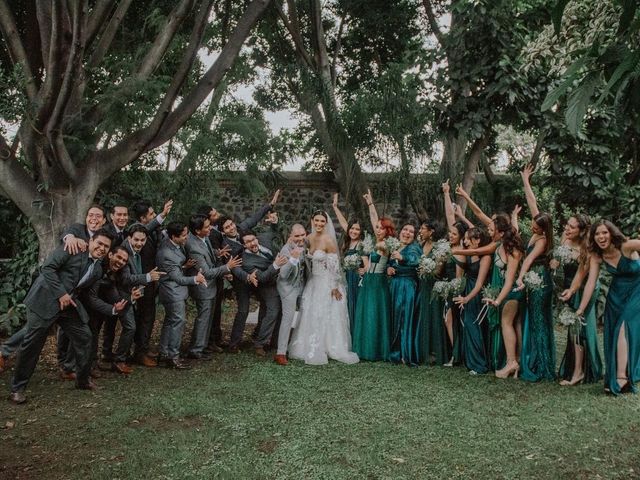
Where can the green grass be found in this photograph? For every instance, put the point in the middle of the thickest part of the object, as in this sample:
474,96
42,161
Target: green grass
243,417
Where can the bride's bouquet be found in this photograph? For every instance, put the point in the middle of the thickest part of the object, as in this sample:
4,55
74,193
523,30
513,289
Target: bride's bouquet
533,281
351,262
564,255
441,289
426,267
569,318
441,251
456,286
490,292
367,244
392,244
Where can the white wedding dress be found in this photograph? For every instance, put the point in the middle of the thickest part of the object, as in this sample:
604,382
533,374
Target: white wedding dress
323,327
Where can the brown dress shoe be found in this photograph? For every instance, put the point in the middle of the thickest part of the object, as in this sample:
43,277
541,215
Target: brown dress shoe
122,368
260,352
147,361
280,359
17,398
233,349
176,364
95,373
65,375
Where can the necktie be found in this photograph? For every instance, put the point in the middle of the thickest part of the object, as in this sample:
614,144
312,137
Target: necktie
85,278
138,261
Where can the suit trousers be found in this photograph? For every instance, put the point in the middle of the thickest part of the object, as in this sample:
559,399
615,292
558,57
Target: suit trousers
145,315
12,344
128,329
65,354
242,300
270,304
215,333
201,325
108,337
79,336
289,303
171,335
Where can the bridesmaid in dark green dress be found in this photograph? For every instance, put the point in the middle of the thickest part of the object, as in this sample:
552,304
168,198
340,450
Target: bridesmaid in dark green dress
434,340
538,355
476,271
371,337
351,245
406,346
622,311
581,361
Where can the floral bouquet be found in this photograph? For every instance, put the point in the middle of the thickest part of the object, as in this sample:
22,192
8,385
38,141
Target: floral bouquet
441,289
426,267
392,244
367,244
533,281
564,255
351,262
456,286
441,251
569,318
490,292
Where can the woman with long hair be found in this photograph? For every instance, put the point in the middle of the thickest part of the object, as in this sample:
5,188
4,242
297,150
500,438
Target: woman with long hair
406,339
620,257
476,269
538,355
351,245
581,361
371,326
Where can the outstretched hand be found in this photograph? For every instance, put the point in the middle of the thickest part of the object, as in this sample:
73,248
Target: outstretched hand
445,187
276,195
167,208
527,171
461,191
335,200
368,197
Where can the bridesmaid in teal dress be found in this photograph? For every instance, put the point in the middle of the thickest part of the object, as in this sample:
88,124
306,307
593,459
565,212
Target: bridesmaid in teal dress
406,344
581,361
538,355
434,340
476,270
351,245
371,327
622,311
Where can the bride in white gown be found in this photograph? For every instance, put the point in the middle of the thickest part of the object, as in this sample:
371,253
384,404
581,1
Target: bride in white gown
323,327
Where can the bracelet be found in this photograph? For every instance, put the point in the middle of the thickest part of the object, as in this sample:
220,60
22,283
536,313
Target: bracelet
369,204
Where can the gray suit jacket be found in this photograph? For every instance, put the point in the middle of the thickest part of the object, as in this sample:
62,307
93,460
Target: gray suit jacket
174,285
78,230
265,273
205,261
130,275
60,274
291,277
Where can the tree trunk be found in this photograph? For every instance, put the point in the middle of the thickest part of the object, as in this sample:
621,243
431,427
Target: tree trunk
471,167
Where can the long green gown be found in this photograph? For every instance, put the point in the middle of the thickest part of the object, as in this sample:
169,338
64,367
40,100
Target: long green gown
538,356
622,308
473,346
455,350
406,337
495,345
371,327
435,342
353,280
588,335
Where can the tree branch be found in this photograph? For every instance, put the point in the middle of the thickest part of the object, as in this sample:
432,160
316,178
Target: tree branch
471,165
537,151
163,39
16,48
96,20
433,22
293,28
336,52
109,33
319,42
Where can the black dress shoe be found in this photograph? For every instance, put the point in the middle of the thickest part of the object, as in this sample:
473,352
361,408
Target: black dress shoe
17,398
200,356
176,364
213,349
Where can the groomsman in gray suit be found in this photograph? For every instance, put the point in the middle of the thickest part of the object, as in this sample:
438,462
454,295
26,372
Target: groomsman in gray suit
199,249
290,285
259,260
173,292
53,297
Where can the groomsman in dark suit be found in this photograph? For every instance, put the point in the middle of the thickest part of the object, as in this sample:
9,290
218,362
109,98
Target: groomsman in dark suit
173,292
54,297
199,249
260,260
119,216
108,298
145,215
242,280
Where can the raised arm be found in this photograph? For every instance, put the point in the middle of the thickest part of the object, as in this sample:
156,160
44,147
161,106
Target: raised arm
458,213
477,211
344,224
373,213
526,173
630,246
538,249
448,206
514,217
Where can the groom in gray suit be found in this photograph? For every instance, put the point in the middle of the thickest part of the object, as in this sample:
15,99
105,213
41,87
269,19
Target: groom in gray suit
290,285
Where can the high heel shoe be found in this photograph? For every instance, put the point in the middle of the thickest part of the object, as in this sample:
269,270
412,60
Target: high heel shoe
624,387
508,370
572,383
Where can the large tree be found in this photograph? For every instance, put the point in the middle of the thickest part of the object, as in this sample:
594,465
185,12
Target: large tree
91,88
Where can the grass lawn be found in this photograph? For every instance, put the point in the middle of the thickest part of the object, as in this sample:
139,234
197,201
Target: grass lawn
243,417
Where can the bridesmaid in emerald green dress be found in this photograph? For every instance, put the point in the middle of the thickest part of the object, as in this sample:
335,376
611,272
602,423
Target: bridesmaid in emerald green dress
406,344
476,270
581,361
622,311
434,340
538,355
351,245
371,327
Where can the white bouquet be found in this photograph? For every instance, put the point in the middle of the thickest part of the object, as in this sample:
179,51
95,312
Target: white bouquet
568,317
456,286
490,292
426,266
441,289
533,281
392,244
564,255
351,262
441,251
367,244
